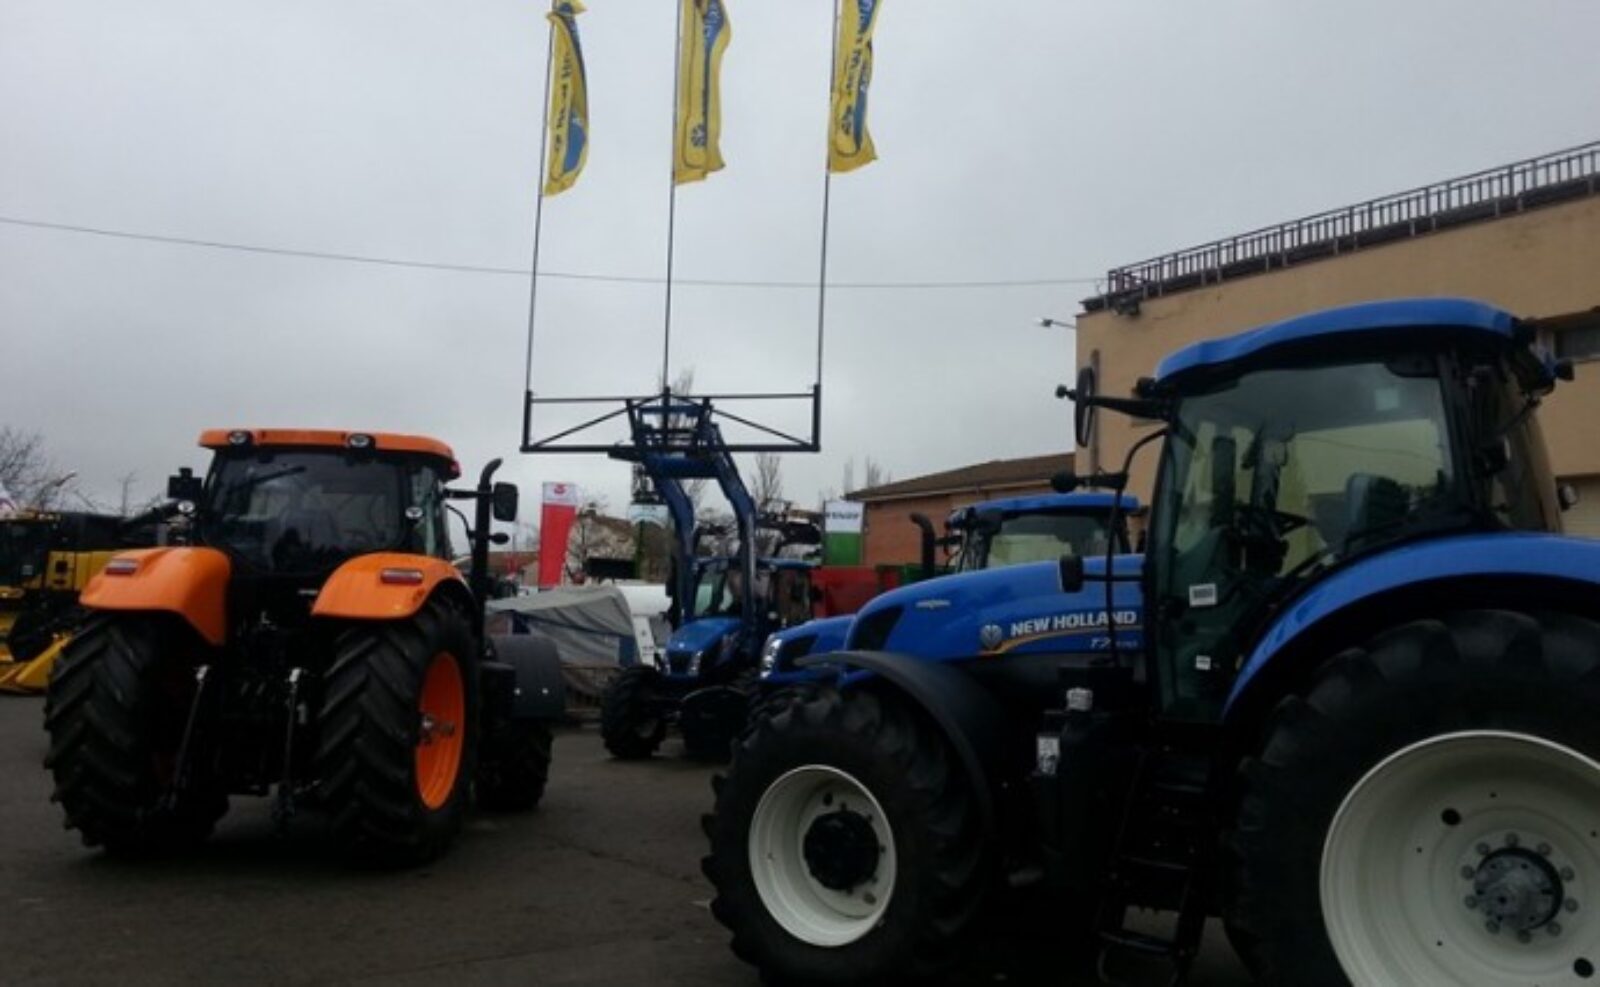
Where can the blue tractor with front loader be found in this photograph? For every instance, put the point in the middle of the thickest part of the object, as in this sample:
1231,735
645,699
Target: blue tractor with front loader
723,607
1359,726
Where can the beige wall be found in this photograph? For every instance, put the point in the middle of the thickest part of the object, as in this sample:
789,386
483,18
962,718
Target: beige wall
1538,264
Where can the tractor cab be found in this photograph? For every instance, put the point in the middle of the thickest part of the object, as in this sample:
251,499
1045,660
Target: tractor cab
299,504
1038,528
1306,447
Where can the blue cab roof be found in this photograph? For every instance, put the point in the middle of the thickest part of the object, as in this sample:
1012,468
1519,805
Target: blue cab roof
1039,503
1368,317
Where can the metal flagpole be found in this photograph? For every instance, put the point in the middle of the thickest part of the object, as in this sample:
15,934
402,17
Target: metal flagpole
672,195
538,227
827,188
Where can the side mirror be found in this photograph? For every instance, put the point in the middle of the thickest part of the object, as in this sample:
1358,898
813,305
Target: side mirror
505,501
1071,571
987,520
1083,414
1065,482
184,485
1567,496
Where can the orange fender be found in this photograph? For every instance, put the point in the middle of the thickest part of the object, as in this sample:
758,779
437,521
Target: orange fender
190,582
383,586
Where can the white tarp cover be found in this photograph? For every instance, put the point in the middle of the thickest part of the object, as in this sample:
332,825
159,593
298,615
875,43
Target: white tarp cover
592,626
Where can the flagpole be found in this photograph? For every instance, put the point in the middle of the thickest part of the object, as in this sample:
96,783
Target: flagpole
672,196
538,225
827,189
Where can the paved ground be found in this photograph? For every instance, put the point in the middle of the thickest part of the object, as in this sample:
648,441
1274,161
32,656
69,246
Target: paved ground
601,886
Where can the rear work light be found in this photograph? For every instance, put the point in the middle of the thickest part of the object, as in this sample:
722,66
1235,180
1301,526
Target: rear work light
122,567
238,438
401,577
358,440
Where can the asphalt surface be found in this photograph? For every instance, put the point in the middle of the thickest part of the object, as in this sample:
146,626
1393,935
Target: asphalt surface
600,886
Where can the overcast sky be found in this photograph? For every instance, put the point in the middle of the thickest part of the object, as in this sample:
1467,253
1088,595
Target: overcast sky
1018,140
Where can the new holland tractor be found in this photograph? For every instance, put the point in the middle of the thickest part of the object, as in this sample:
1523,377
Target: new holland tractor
994,534
724,607
1360,726
312,641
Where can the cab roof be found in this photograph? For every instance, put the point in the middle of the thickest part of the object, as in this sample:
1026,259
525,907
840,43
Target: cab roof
230,438
1454,315
1042,503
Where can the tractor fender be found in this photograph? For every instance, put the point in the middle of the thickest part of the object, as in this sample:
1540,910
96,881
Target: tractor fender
357,590
538,692
1432,573
190,582
968,715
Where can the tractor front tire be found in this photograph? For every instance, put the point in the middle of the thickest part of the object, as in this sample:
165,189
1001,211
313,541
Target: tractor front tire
845,844
1427,812
514,766
630,720
116,709
398,736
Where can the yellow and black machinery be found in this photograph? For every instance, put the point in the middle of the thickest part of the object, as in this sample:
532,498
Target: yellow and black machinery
46,559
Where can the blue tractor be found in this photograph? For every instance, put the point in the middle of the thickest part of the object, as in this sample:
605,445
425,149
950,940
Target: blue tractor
1360,726
993,534
722,607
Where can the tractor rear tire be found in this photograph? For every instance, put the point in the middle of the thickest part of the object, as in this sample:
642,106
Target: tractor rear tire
514,766
397,736
116,709
1382,801
893,867
630,724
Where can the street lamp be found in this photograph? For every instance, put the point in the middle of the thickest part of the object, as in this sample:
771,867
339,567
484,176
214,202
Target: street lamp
41,499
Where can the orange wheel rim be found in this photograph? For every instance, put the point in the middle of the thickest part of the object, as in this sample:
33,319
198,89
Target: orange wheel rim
442,711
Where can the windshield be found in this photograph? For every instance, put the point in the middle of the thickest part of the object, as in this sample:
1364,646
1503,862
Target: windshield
304,512
1279,475
711,593
24,547
1036,538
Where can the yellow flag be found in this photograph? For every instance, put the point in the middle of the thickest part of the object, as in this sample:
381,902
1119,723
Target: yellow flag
849,144
569,101
703,36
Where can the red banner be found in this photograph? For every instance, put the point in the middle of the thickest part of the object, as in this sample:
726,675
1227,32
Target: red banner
558,511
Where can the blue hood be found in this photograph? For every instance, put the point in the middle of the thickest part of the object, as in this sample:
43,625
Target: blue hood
1013,610
700,634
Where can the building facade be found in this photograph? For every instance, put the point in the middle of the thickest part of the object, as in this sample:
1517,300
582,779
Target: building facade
890,537
1525,237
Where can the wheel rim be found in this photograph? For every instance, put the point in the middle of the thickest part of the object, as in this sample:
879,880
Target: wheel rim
442,709
1468,858
822,856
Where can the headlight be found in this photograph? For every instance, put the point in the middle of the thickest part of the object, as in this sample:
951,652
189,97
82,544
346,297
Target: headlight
769,654
693,667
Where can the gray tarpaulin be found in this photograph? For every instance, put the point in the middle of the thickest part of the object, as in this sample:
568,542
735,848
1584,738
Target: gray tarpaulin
592,627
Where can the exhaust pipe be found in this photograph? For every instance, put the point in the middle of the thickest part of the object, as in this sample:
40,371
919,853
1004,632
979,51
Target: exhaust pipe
929,541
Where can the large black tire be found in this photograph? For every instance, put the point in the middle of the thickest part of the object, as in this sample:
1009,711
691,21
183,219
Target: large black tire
371,730
941,875
514,766
1536,675
630,723
115,709
711,720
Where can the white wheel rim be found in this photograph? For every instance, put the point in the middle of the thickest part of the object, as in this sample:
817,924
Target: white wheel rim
1408,848
793,896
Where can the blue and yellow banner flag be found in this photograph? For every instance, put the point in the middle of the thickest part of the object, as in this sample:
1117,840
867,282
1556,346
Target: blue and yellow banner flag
849,143
569,100
704,33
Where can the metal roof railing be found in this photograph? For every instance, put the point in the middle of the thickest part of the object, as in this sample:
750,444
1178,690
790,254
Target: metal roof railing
1485,195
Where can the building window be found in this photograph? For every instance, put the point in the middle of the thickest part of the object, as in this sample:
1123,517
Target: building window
1581,342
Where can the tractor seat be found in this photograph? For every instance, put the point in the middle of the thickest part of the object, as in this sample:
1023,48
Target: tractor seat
1373,505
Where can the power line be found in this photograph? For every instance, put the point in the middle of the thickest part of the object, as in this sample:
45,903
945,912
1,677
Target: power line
524,272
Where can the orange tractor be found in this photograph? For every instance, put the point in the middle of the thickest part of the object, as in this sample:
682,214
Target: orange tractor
313,642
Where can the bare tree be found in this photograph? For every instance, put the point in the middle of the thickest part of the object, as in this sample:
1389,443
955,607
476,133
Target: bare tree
849,485
596,535
27,471
767,490
877,476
